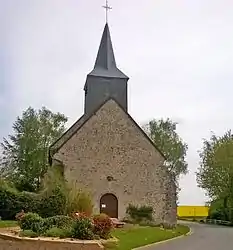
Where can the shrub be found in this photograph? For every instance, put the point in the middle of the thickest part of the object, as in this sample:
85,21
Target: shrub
83,229
58,232
59,221
78,201
102,225
33,222
85,204
56,197
28,233
52,202
28,201
60,198
12,201
140,213
9,204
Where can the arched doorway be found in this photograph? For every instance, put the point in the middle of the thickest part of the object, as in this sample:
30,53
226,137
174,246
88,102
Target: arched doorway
109,205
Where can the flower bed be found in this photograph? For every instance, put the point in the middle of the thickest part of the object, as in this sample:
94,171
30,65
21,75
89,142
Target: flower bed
58,232
79,226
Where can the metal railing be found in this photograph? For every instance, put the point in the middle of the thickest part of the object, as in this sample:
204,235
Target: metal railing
218,222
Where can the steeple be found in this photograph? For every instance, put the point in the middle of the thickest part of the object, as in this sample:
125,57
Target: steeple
105,64
105,80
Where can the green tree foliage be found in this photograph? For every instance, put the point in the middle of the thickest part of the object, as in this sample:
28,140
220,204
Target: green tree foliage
25,153
164,135
215,174
219,210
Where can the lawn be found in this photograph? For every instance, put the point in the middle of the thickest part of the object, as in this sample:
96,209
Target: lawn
136,236
8,223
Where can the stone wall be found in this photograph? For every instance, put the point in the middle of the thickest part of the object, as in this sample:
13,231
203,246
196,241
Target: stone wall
111,144
15,243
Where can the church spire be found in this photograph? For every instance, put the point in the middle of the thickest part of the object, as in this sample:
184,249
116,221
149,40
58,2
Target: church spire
105,80
105,64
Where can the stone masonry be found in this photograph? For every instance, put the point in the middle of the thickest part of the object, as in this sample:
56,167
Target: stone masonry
110,143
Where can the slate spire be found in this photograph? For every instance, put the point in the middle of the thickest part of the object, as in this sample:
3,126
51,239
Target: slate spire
105,80
105,64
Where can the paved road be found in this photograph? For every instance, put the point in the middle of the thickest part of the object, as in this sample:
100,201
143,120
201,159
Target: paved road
204,237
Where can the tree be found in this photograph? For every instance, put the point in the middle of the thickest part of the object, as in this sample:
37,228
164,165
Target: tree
164,135
215,174
25,153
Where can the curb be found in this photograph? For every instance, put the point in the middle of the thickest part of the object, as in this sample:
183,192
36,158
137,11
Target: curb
165,241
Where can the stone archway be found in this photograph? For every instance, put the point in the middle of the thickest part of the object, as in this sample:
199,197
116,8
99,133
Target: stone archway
109,205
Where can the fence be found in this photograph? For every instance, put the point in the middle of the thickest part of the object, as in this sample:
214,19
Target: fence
218,222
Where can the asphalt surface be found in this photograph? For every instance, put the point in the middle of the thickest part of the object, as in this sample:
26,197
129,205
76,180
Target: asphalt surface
204,237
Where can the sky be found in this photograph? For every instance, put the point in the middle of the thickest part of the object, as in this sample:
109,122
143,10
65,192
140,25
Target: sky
178,55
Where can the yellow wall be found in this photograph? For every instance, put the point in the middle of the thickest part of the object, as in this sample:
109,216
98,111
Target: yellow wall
192,211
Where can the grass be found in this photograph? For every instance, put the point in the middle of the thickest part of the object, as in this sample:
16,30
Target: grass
136,236
8,223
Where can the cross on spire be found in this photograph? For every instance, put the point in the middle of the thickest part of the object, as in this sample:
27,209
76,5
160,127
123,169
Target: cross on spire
107,8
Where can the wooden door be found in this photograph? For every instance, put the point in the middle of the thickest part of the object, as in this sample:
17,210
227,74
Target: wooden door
109,205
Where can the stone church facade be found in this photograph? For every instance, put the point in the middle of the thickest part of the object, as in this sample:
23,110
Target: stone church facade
107,154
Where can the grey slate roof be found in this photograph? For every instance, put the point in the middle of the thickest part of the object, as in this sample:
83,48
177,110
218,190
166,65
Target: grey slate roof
105,65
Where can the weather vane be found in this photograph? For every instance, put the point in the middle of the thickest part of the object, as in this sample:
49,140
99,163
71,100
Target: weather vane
107,8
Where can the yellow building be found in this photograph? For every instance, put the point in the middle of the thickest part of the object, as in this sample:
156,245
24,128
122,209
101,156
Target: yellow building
192,211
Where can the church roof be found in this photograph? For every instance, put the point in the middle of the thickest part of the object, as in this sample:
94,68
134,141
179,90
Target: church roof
105,64
77,125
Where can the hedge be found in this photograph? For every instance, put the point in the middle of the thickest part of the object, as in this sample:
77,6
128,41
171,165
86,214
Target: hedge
49,202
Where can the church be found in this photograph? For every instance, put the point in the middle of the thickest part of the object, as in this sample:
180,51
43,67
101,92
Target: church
106,152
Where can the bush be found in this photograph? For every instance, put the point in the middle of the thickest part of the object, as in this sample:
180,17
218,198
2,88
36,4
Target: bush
12,201
64,198
52,202
78,201
58,232
37,224
83,229
56,197
102,225
28,233
139,214
59,221
33,222
219,210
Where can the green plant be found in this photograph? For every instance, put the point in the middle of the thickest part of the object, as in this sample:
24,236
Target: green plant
77,200
28,233
58,232
12,201
83,229
140,213
102,225
33,222
59,197
59,221
52,202
56,197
